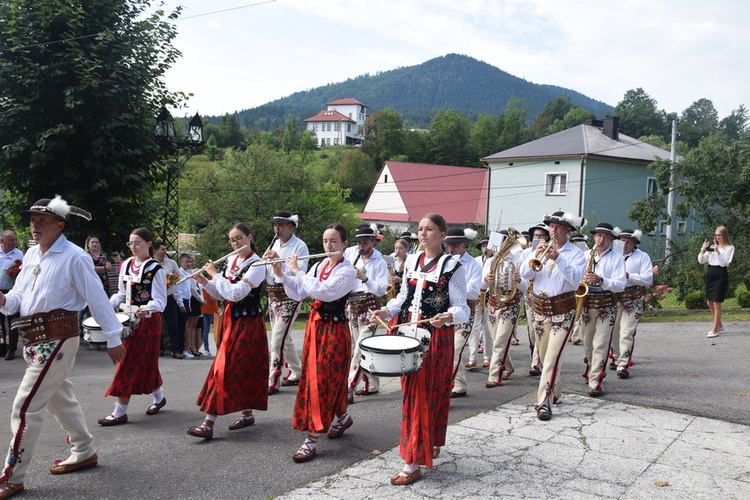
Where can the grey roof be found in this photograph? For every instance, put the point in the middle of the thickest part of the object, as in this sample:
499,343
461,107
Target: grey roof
582,140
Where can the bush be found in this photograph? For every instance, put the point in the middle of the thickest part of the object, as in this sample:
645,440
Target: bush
696,300
743,299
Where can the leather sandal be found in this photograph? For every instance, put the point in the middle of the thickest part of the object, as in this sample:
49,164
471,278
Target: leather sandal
435,452
305,453
7,490
204,431
491,385
507,374
363,392
107,422
338,428
400,480
243,421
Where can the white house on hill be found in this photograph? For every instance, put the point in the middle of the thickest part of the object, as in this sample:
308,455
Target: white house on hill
339,123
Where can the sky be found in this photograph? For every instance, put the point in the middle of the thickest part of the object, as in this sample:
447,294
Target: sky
239,54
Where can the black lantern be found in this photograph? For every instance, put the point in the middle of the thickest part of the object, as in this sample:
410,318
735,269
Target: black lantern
194,135
165,125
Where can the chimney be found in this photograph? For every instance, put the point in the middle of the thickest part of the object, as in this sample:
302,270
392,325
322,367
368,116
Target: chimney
611,126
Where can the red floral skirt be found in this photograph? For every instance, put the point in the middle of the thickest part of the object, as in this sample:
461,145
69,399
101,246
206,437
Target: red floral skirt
427,397
238,378
322,392
139,373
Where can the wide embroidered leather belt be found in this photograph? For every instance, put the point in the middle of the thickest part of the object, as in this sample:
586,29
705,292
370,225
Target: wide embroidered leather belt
600,300
276,293
361,302
552,306
498,304
46,327
630,293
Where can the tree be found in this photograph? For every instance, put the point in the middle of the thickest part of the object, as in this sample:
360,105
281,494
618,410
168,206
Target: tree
555,110
384,136
697,122
639,116
575,116
448,138
735,124
356,173
483,137
513,127
82,84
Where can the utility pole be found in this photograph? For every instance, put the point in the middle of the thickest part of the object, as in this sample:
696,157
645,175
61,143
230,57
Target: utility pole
670,194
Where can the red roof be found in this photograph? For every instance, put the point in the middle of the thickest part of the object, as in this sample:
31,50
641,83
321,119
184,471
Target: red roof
344,102
329,116
459,194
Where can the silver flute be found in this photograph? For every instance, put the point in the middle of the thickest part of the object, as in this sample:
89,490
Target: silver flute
267,262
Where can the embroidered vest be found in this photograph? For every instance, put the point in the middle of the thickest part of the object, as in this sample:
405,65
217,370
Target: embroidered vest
249,305
140,291
331,312
435,296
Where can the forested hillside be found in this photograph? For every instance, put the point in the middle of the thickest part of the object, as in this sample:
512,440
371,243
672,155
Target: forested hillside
454,81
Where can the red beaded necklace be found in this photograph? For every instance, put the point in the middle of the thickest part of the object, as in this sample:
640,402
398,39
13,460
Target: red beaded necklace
326,271
135,269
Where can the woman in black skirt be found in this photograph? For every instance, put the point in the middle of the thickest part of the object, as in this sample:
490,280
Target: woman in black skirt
719,255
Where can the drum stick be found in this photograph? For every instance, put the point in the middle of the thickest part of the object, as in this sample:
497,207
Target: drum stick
379,320
412,323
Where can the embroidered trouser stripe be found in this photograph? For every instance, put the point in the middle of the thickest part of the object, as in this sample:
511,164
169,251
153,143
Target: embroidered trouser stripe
45,385
551,340
282,349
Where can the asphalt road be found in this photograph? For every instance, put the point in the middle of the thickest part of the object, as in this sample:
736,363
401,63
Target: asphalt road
676,368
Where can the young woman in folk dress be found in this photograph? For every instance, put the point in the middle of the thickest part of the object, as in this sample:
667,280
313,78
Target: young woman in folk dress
427,392
322,402
237,378
139,371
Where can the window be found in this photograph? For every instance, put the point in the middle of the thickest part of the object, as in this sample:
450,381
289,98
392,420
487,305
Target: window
651,187
681,227
349,127
386,178
336,126
662,227
557,184
336,141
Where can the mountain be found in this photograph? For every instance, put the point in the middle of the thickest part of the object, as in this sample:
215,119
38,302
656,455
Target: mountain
452,81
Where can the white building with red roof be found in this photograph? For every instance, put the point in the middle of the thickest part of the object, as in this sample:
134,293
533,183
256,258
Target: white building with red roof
339,123
404,192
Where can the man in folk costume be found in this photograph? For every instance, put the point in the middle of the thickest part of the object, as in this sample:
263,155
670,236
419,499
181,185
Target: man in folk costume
578,240
372,281
604,277
10,255
504,309
458,241
540,233
556,269
480,340
57,280
638,273
282,310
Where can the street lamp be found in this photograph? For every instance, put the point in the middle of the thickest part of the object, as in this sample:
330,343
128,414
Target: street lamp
173,145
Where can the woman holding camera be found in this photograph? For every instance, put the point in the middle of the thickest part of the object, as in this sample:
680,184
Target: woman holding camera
718,254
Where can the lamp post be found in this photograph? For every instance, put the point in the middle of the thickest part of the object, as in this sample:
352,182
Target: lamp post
172,145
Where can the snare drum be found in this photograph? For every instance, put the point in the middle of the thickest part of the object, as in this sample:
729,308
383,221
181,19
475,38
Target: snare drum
390,355
421,334
92,332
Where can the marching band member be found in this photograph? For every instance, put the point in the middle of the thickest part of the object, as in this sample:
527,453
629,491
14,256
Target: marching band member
435,293
143,282
540,233
283,311
321,404
604,277
400,251
480,330
237,377
556,268
372,280
503,315
56,281
638,273
458,241
578,240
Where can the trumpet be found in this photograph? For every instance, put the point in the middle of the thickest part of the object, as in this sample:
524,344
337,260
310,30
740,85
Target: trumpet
538,263
200,270
268,262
